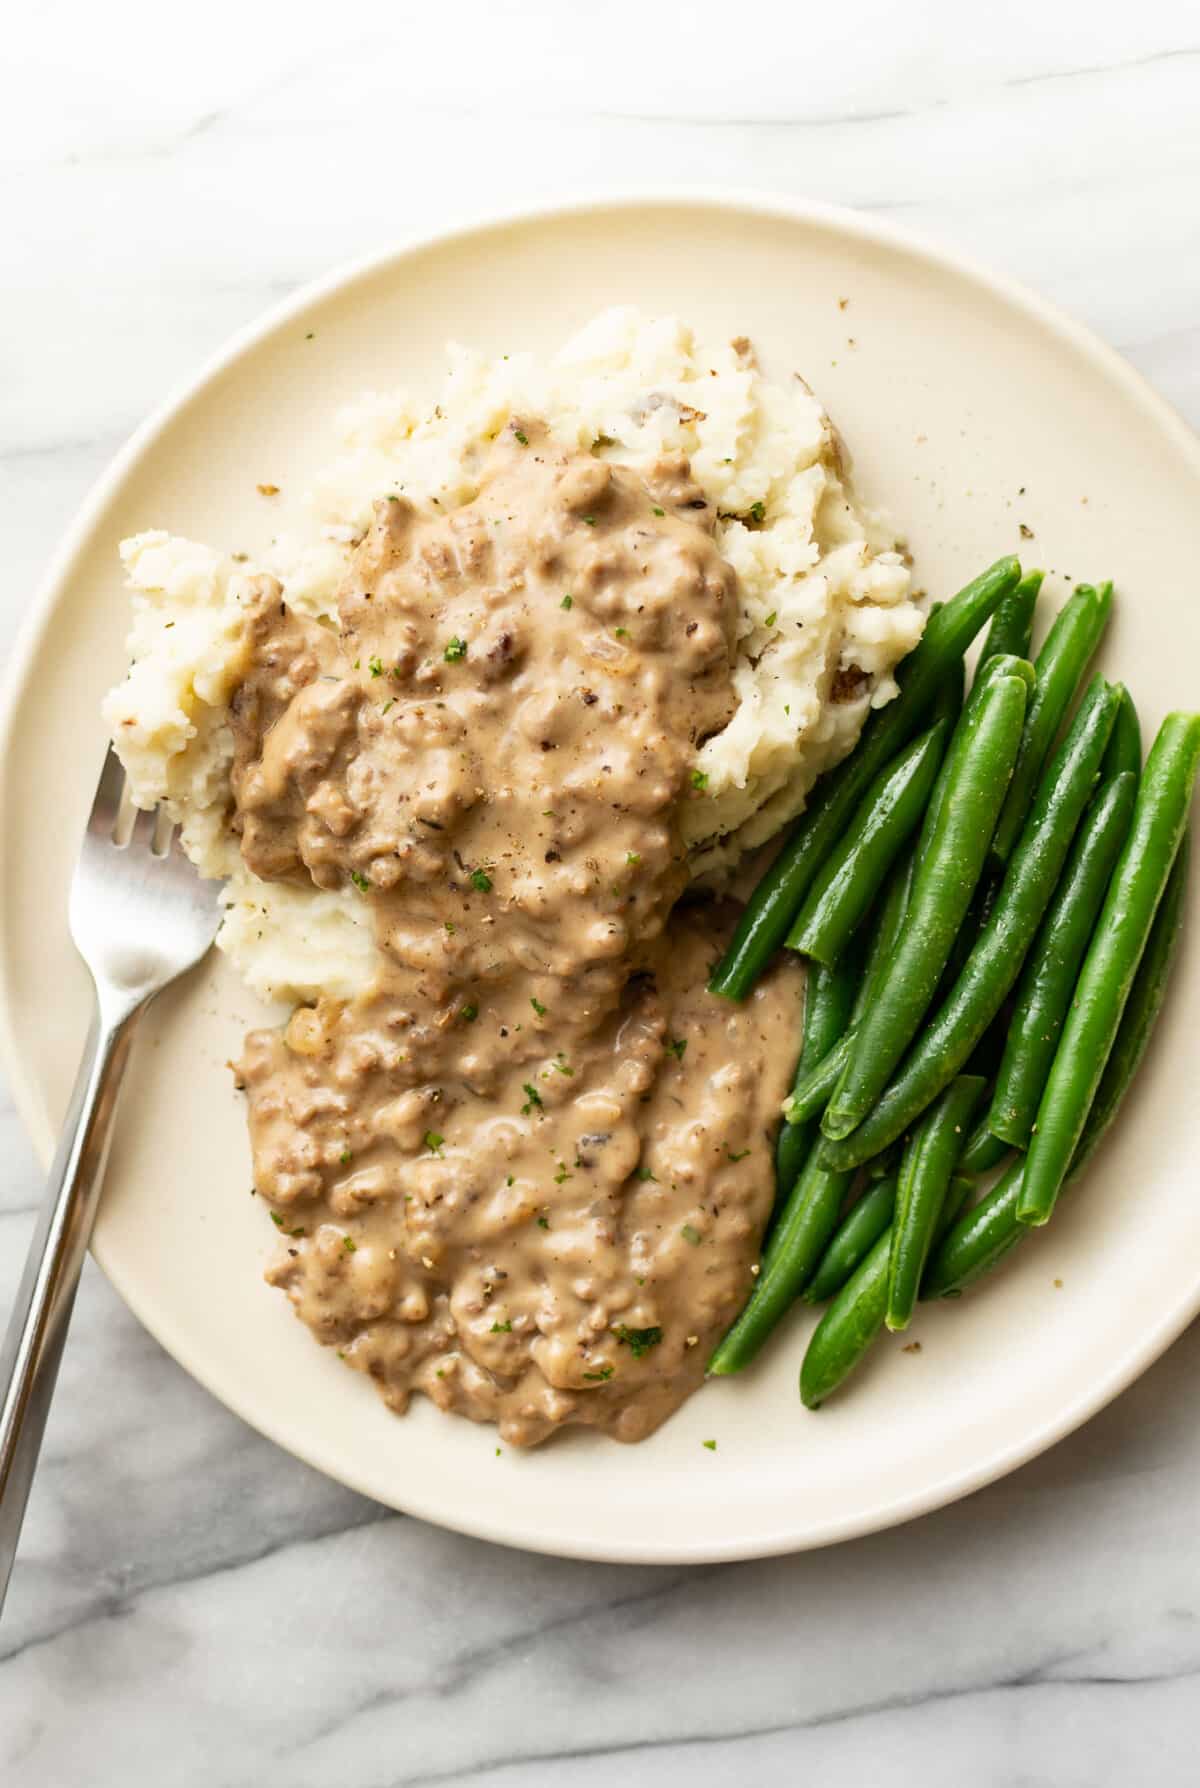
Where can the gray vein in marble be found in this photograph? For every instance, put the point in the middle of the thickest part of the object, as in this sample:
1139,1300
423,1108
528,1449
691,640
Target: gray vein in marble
864,1711
14,1204
466,1666
16,453
1154,59
786,121
122,1602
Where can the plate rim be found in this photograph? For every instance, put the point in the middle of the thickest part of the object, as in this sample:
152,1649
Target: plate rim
856,225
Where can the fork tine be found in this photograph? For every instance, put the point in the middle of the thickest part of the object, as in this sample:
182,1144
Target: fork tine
164,831
138,917
106,804
145,820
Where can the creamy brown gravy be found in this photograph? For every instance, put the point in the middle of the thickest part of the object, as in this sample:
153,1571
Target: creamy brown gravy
528,1171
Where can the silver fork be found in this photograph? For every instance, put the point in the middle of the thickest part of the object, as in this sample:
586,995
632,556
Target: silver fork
140,915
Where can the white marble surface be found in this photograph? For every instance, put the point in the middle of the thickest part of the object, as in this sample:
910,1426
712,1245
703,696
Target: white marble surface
192,1606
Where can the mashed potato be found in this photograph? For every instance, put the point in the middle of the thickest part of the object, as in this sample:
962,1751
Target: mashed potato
825,612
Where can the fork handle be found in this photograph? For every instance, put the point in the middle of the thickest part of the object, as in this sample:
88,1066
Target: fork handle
42,1311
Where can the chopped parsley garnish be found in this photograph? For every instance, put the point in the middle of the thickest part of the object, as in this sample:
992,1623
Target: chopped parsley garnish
481,881
532,1098
740,1156
771,618
632,858
543,1222
521,436
276,1219
567,602
562,1174
468,1013
361,882
757,511
699,778
560,1066
349,1244
659,511
690,1234
345,1157
537,1006
501,1328
455,649
644,1173
710,1444
638,1341
604,1373
375,666
677,1047
589,521
622,632
434,1141
390,703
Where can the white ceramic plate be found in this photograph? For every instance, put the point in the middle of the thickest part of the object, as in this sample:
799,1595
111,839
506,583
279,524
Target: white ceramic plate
970,409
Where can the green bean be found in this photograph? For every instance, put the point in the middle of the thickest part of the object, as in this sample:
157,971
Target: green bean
997,664
995,962
883,934
983,1151
848,1327
772,906
893,905
850,877
1060,666
1159,819
981,1239
1002,665
983,755
978,914
1124,752
981,901
948,700
1141,1011
828,999
960,1189
885,1165
925,1175
947,707
1012,624
805,1226
1052,966
810,1095
855,1317
853,1240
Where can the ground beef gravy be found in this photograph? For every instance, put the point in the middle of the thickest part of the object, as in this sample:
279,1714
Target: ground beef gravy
527,1172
